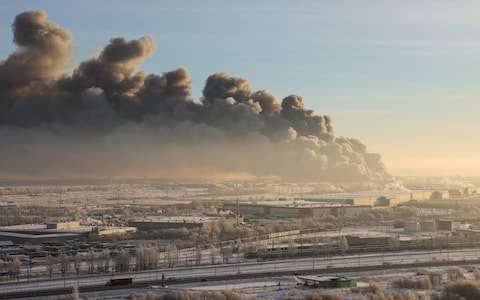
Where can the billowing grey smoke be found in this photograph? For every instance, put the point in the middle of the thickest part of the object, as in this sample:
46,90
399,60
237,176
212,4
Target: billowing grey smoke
108,119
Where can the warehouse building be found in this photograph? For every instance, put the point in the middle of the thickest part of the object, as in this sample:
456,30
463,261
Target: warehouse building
428,225
302,209
175,222
377,198
61,231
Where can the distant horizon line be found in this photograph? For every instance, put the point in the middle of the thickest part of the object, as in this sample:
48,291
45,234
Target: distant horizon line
172,179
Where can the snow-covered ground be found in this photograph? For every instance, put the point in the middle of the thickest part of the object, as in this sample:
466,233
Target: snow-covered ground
280,287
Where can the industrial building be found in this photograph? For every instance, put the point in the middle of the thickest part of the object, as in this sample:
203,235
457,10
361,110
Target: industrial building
61,231
369,242
64,225
173,222
376,198
428,225
298,209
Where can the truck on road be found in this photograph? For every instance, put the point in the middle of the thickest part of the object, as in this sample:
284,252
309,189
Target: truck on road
120,281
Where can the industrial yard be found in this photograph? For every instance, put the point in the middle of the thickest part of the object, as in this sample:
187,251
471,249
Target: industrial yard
119,228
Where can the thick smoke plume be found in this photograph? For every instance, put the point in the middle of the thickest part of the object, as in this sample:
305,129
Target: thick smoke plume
106,118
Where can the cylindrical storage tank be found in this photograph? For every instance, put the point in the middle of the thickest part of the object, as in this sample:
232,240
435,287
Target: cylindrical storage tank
410,226
427,226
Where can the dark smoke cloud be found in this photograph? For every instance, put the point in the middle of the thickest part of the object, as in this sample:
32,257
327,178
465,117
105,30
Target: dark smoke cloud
108,119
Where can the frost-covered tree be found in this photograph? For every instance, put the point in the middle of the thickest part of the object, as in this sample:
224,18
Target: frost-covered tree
91,260
343,245
292,248
105,258
64,264
77,261
198,255
51,262
13,267
122,261
172,255
227,252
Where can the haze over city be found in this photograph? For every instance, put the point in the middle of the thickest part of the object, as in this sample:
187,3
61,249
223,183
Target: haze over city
322,91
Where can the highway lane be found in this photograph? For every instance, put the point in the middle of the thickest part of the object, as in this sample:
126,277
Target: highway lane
310,265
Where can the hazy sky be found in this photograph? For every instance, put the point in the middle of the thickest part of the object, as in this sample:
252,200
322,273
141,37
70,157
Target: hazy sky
401,76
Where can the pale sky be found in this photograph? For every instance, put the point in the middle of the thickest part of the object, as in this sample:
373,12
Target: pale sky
401,76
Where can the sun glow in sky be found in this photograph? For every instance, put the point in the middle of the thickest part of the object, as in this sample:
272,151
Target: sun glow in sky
400,76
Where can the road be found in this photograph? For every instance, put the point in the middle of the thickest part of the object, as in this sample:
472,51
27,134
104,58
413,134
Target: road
246,269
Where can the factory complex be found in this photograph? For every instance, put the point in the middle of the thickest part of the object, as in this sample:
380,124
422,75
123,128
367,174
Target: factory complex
294,210
335,204
274,207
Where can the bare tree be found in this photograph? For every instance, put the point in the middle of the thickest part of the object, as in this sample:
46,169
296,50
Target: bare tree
147,257
64,263
327,247
75,293
51,262
172,255
292,248
315,247
77,260
394,243
262,250
212,254
238,248
2,267
455,273
278,250
152,257
343,245
476,274
227,252
417,241
141,257
435,278
105,256
13,267
198,255
122,261
91,259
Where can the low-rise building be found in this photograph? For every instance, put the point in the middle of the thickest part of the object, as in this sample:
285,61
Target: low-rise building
297,209
172,222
